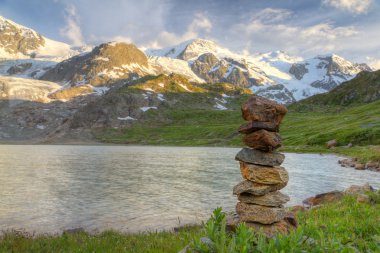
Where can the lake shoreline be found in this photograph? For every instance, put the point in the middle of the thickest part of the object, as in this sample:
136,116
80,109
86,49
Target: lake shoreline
347,216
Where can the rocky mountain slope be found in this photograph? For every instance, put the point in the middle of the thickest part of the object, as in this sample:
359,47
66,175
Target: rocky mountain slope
26,53
19,42
104,64
364,88
275,75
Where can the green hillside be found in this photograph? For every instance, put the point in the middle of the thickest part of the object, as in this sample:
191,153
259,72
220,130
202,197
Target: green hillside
194,122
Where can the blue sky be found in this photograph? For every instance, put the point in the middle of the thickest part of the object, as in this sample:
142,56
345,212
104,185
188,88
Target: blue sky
300,27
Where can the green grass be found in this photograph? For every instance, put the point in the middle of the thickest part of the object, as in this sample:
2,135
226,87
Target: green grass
301,131
359,125
346,226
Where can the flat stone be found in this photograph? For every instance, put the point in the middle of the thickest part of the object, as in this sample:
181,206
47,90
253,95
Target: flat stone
274,199
263,140
263,110
254,156
263,174
359,189
324,198
256,189
281,227
253,126
260,214
362,198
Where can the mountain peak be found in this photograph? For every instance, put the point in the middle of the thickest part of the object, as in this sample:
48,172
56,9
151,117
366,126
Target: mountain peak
191,49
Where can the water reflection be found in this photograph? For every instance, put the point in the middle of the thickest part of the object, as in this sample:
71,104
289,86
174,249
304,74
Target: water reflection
51,188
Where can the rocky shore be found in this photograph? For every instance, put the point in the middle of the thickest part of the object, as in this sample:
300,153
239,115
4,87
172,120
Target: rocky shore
357,165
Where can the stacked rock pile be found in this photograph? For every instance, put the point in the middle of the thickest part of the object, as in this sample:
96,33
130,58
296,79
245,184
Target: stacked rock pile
261,204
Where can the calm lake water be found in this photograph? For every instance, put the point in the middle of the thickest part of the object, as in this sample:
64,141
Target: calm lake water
47,189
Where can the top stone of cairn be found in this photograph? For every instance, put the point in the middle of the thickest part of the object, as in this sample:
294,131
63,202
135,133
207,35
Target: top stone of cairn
259,109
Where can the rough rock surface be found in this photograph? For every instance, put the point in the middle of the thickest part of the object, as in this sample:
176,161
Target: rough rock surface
282,227
261,214
331,144
256,189
263,140
253,126
364,199
18,39
253,156
274,199
359,189
324,198
104,64
263,174
263,110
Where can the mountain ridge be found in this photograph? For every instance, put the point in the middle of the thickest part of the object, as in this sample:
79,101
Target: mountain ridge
275,75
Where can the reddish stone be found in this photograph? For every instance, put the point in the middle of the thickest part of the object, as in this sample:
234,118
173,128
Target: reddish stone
263,140
282,227
324,198
253,126
263,110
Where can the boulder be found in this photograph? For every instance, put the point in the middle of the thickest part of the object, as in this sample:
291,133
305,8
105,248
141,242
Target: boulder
372,165
263,140
260,214
256,189
282,227
263,174
254,156
253,126
359,166
331,143
364,199
359,189
324,198
263,110
274,199
347,162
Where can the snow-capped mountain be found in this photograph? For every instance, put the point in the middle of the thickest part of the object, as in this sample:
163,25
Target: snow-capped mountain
275,75
20,42
26,53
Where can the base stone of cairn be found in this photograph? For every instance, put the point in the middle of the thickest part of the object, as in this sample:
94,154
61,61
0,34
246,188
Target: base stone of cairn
261,204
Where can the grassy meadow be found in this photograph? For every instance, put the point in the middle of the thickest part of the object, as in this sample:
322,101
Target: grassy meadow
345,226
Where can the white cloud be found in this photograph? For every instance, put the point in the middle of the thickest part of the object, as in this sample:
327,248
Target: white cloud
200,25
353,6
72,29
259,35
373,62
270,15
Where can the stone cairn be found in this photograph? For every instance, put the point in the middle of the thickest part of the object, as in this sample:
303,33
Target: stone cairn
261,203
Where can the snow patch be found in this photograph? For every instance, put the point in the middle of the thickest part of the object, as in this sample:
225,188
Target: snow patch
185,87
41,127
100,90
100,58
146,108
220,107
126,118
148,89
